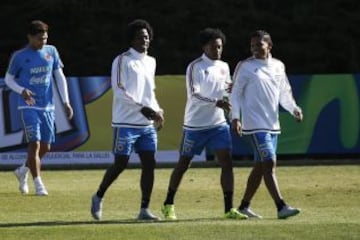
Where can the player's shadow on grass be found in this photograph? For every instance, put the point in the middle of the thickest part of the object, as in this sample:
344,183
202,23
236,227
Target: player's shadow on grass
92,222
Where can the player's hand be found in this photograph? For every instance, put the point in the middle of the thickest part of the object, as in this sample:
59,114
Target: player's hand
69,111
224,105
298,115
159,120
236,126
28,97
149,113
229,86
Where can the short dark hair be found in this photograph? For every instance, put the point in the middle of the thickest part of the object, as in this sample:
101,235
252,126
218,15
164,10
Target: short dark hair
208,34
37,26
263,35
137,25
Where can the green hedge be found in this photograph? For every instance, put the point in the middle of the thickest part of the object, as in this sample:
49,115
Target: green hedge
310,36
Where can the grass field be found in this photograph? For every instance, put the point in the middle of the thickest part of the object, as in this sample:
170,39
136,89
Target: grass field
329,197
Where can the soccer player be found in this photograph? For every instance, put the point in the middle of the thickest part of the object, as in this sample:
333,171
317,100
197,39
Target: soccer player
30,75
135,113
260,85
204,121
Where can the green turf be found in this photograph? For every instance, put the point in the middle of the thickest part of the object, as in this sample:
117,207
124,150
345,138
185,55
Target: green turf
329,197
171,94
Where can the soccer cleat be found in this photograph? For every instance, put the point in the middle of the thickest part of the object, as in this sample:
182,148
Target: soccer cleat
145,214
40,189
235,214
96,207
21,174
250,213
287,211
168,211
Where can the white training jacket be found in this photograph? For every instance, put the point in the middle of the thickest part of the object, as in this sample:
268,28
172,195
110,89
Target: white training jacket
133,85
259,87
206,81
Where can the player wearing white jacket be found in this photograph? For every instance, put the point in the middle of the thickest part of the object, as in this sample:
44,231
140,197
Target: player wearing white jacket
260,86
133,84
204,121
135,110
206,83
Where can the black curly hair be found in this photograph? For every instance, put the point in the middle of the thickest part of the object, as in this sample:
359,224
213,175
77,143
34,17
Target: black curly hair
208,34
137,25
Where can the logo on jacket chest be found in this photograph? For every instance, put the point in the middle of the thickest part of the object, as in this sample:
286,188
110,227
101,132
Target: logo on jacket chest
270,75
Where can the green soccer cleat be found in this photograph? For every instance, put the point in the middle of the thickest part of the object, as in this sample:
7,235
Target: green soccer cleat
235,214
169,211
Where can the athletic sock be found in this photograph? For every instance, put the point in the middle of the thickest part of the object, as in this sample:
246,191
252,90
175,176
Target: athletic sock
228,201
170,197
145,203
109,177
280,204
100,193
244,204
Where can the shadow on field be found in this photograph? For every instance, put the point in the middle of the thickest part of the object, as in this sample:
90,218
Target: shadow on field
91,222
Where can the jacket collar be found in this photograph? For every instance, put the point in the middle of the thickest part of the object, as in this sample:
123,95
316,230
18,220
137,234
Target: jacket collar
136,54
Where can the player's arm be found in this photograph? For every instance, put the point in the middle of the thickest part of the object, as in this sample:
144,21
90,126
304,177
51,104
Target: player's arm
194,75
236,126
224,103
287,100
298,114
159,116
240,80
13,85
63,91
119,82
235,103
154,112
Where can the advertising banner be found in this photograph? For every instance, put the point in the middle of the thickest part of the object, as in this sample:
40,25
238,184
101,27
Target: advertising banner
331,126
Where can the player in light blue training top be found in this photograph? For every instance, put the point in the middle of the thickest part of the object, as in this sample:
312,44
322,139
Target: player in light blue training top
30,75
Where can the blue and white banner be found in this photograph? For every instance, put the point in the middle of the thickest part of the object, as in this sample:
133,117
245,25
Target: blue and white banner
331,126
87,158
